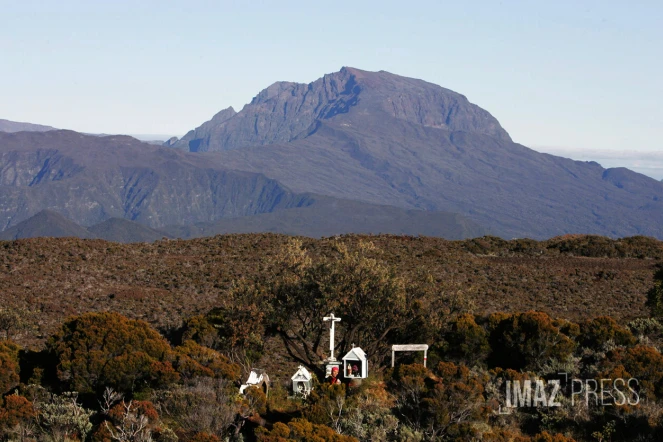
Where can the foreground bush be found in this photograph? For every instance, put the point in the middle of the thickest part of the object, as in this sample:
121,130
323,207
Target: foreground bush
99,350
9,366
193,360
16,414
203,406
525,341
301,430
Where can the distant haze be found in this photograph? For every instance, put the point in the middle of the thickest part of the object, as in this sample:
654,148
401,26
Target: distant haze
644,162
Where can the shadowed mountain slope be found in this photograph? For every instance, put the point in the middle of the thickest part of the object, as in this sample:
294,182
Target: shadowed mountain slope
384,139
107,182
324,217
372,137
46,223
329,216
90,179
125,231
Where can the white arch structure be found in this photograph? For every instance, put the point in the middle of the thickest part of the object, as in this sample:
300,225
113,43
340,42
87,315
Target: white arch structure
408,347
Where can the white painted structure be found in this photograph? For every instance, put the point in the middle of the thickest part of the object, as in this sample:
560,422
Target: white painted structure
257,378
355,364
333,319
302,382
409,347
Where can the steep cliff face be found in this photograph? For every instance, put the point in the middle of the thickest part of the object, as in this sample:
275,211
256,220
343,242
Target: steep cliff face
90,179
195,139
287,111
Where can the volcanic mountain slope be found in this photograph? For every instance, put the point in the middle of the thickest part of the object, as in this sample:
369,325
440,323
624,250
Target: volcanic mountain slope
90,179
288,111
326,217
107,182
125,231
15,126
386,139
46,223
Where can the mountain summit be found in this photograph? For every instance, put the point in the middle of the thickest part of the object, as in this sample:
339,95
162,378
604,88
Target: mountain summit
385,139
287,111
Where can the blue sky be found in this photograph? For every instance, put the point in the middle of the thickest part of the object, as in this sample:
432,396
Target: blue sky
582,78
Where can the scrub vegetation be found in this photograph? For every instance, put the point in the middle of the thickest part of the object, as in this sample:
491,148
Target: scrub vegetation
108,342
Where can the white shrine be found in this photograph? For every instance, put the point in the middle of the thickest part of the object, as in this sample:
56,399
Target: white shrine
257,378
302,382
355,364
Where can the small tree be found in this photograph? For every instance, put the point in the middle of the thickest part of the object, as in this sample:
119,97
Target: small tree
63,418
466,341
455,403
376,304
369,413
328,406
640,362
595,333
132,421
410,384
193,360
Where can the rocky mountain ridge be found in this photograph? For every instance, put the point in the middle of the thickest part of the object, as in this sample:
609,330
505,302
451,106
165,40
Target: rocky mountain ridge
287,111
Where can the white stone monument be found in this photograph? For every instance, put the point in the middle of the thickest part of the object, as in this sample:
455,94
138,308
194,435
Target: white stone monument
331,361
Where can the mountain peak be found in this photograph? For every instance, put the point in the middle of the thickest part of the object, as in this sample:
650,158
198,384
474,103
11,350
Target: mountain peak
224,115
273,91
358,73
286,111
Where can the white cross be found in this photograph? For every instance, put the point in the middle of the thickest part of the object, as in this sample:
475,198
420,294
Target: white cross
333,320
